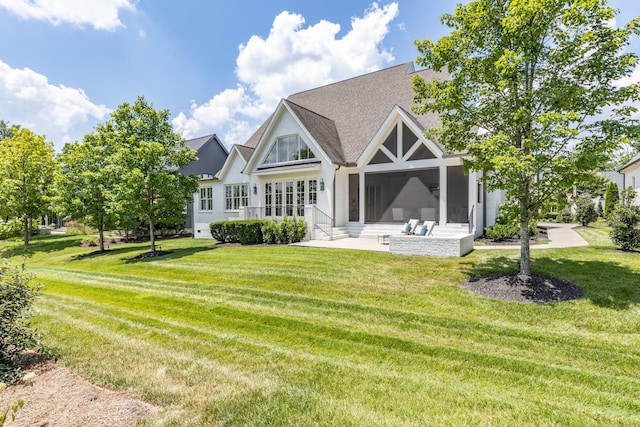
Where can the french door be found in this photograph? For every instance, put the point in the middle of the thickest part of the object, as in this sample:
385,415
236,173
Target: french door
288,198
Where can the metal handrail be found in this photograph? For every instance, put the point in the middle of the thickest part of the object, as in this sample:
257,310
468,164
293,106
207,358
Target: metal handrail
323,222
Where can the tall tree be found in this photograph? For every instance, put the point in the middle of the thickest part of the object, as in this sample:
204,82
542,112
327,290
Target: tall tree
27,172
147,157
533,96
87,181
6,129
611,198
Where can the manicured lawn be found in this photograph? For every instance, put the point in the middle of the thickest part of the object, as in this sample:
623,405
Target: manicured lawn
304,336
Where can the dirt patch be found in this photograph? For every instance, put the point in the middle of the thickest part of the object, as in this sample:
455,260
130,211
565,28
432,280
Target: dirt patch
532,289
58,397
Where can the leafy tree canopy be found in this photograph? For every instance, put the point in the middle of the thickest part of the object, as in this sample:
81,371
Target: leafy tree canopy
27,172
533,97
147,156
86,184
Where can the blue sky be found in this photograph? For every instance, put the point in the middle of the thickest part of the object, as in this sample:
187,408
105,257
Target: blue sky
219,67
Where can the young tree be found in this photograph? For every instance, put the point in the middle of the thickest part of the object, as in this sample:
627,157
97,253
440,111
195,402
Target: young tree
87,181
27,172
611,198
147,158
624,231
628,196
585,210
533,96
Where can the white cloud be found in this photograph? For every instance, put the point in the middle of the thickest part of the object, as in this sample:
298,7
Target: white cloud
292,58
632,78
31,101
101,14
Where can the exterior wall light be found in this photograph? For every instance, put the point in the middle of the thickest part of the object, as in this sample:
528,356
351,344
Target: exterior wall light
321,184
255,189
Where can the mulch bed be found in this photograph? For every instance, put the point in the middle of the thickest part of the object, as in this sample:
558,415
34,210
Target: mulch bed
56,396
149,255
539,239
528,289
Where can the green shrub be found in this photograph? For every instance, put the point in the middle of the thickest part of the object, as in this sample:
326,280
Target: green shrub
218,230
290,230
11,228
501,232
73,228
16,335
585,210
565,216
247,232
624,233
551,216
91,241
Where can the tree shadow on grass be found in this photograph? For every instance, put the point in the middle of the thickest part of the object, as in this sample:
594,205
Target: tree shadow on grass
52,243
607,284
168,255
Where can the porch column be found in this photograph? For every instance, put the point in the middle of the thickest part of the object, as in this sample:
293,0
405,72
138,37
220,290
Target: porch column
443,194
362,197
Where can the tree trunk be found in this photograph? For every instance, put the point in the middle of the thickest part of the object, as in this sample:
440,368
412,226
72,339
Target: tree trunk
152,237
525,255
26,231
101,236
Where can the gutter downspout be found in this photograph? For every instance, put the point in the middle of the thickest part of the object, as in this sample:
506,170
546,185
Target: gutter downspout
333,207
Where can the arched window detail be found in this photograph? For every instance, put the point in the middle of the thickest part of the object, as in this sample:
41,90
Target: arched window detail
288,149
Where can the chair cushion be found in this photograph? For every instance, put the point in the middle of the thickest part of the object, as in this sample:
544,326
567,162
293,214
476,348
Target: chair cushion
422,231
407,228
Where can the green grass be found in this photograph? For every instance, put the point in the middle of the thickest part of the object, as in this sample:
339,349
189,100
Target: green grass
285,335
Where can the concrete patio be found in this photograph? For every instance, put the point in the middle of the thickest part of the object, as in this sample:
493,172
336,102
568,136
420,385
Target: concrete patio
560,236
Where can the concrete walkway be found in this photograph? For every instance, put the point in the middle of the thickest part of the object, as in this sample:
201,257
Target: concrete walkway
560,236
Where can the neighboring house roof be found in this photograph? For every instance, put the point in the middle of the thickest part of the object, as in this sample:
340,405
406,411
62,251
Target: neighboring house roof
344,117
631,163
197,143
211,154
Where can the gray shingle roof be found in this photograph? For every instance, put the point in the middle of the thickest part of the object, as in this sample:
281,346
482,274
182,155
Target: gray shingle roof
323,131
345,116
245,151
198,143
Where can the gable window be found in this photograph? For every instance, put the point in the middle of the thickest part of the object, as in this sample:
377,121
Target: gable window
236,196
288,149
206,199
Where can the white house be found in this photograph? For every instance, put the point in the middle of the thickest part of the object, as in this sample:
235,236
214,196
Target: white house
631,172
352,158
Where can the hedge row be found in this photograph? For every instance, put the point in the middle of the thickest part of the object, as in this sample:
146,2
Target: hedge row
250,232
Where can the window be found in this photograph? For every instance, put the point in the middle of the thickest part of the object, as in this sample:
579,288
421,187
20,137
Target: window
313,192
278,199
288,198
268,198
300,198
288,149
236,196
206,199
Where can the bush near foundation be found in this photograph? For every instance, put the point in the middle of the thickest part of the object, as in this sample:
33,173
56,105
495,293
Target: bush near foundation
246,232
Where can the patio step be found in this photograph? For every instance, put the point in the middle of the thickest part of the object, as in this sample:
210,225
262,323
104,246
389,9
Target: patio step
337,233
